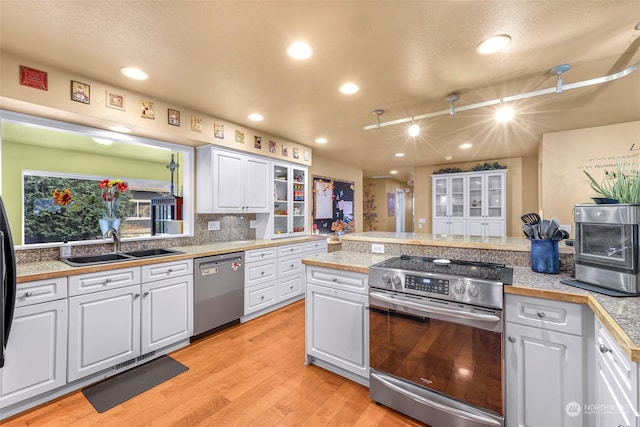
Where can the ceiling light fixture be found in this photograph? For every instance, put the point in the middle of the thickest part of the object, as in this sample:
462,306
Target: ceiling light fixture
558,70
299,50
393,172
134,73
449,158
637,27
451,99
256,117
378,112
103,141
466,146
399,154
321,140
570,86
414,129
349,88
493,44
505,114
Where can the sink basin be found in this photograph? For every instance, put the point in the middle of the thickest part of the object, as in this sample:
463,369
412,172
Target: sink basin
77,261
145,253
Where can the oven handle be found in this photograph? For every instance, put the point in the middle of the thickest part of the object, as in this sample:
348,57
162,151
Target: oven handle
438,406
436,310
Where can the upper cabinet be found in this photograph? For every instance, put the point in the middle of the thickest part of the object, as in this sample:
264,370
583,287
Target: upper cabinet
231,182
470,203
289,216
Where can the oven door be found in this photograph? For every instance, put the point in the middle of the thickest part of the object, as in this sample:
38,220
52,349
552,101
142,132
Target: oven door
607,245
450,348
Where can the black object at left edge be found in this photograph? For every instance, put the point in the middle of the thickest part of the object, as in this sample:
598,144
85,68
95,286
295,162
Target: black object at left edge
8,300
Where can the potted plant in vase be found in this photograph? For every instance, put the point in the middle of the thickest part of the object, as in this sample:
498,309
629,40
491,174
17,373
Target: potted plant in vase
620,186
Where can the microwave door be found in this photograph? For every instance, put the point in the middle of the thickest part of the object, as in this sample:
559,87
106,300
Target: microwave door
608,245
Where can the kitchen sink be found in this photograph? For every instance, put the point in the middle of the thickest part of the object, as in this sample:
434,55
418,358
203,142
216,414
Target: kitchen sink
145,253
80,261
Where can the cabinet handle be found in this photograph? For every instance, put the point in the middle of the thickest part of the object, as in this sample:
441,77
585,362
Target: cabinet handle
262,297
108,280
170,270
604,349
146,293
33,294
335,279
136,295
541,314
512,339
291,288
262,255
262,273
27,294
291,265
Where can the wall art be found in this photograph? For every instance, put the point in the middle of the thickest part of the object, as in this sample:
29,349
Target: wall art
114,100
218,130
36,79
257,142
272,146
147,110
196,124
239,136
285,150
296,153
391,204
80,92
307,156
173,117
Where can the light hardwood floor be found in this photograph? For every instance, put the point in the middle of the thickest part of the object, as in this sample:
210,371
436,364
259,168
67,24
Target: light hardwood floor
248,375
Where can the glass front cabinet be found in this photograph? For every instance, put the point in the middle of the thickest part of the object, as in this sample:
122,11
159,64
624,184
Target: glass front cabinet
289,200
449,204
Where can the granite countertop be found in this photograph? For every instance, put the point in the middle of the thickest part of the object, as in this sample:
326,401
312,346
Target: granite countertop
621,316
48,269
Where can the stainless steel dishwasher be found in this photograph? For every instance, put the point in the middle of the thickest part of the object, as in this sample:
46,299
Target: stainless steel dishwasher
218,292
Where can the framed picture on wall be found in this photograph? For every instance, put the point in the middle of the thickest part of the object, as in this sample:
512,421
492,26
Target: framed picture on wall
391,204
173,117
80,92
114,100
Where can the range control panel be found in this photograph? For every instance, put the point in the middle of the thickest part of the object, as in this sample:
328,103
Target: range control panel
427,284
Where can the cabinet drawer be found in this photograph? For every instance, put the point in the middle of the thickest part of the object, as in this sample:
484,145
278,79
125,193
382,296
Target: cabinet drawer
623,370
290,287
289,250
41,291
260,254
315,247
259,272
338,279
258,297
111,279
289,265
543,313
166,270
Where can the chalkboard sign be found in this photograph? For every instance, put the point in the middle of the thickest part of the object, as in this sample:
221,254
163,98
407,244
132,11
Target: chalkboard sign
333,200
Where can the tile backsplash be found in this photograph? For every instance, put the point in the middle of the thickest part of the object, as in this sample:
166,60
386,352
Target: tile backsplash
232,227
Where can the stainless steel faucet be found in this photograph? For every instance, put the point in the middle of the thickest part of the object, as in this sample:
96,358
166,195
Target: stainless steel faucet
112,232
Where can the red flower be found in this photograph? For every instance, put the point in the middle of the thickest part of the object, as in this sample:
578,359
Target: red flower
122,187
104,183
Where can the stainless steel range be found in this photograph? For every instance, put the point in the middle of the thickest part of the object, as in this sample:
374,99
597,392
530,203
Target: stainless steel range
436,339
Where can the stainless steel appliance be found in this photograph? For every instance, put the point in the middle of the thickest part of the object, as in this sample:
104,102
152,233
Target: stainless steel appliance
606,245
218,292
435,335
8,288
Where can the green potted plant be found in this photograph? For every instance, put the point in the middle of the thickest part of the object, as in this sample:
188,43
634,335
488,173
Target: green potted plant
620,186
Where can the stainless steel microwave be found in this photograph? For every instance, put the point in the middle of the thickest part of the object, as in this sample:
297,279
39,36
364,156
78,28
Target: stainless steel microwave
606,244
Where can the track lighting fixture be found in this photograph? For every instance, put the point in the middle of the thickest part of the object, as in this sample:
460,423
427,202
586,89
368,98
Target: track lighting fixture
414,129
451,99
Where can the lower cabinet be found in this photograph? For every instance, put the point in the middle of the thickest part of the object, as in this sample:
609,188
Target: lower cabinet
36,356
544,363
337,322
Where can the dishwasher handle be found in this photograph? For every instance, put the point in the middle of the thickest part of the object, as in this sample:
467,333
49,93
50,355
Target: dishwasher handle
219,263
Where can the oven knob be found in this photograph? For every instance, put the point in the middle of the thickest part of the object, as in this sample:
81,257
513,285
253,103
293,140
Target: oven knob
397,282
459,288
473,291
386,278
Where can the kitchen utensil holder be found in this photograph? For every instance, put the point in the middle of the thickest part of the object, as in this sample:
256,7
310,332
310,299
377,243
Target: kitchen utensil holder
544,256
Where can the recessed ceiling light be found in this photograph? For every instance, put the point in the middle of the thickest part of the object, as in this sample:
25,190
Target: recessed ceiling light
121,129
465,146
505,114
299,50
493,44
399,154
349,88
256,117
393,172
134,73
638,26
103,141
414,130
449,158
321,140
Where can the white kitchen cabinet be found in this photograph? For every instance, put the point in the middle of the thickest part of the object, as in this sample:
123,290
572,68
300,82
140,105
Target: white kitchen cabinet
486,203
167,312
232,182
288,216
337,322
104,330
36,355
616,383
544,363
449,204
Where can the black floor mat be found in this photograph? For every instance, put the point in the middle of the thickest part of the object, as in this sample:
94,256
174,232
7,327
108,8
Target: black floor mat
113,391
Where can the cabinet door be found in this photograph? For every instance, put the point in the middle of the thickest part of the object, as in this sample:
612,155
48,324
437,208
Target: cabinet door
228,182
475,195
495,195
440,198
544,377
337,328
298,211
36,357
167,312
611,409
104,330
457,191
257,195
440,226
458,227
475,227
290,287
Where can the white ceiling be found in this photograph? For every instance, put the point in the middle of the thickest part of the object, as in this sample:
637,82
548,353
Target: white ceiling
228,59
